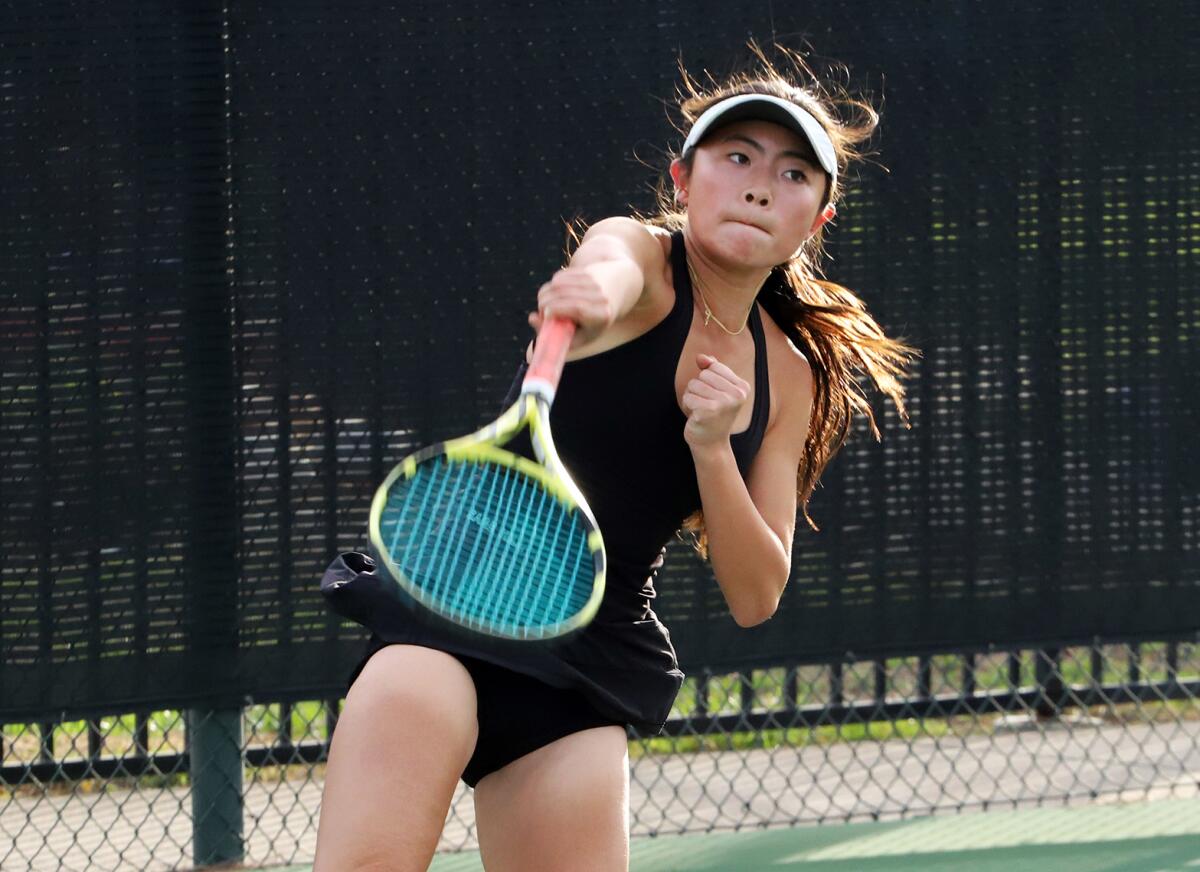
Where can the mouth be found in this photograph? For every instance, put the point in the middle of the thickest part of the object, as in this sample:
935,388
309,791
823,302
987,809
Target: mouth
749,224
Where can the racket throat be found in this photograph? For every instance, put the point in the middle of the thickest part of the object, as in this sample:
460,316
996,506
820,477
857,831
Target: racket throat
540,388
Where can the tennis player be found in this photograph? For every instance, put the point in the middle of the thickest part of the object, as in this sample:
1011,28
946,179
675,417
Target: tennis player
710,382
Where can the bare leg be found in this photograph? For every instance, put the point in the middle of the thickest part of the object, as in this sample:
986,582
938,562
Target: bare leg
561,808
408,729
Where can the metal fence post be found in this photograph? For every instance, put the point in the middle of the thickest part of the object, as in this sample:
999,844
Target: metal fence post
1051,692
211,444
215,767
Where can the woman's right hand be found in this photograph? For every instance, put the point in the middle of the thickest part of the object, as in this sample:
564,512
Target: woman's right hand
574,293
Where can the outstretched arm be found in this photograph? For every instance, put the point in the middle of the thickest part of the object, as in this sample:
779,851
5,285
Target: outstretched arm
604,281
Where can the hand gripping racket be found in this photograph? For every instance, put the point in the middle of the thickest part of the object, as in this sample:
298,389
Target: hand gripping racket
489,540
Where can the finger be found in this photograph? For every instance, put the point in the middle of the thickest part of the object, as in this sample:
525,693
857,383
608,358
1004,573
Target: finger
574,285
586,309
712,375
566,278
716,399
712,364
584,294
561,303
574,305
700,389
557,291
566,309
731,384
717,373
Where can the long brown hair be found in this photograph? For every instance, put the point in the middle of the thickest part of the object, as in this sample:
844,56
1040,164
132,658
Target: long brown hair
827,322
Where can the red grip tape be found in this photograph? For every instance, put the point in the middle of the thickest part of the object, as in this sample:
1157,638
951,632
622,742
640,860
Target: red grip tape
550,350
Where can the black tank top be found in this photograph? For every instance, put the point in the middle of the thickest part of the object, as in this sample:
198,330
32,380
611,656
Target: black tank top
619,430
618,427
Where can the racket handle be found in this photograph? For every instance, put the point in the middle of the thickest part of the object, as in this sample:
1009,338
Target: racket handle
550,352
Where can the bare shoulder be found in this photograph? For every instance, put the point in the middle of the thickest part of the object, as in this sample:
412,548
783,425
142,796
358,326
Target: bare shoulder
644,244
662,236
640,239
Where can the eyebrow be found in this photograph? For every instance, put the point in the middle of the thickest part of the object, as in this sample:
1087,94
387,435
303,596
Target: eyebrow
741,137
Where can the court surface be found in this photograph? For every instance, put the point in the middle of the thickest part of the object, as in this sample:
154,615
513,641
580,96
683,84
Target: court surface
1159,836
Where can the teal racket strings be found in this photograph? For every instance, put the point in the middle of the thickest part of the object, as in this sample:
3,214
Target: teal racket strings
483,544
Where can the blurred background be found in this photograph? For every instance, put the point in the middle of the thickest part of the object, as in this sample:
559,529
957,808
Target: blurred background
253,254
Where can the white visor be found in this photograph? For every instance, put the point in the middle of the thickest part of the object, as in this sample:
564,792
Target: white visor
763,107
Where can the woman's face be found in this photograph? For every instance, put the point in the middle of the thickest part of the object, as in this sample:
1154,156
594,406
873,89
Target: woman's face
753,195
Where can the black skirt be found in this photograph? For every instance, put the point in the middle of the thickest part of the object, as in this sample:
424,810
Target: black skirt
622,663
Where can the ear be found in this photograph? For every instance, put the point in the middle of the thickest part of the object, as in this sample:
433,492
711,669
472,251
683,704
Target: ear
679,175
826,215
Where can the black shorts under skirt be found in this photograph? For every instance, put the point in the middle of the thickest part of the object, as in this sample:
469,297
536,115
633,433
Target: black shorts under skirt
622,663
517,713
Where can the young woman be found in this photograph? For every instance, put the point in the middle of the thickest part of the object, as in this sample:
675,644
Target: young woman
733,366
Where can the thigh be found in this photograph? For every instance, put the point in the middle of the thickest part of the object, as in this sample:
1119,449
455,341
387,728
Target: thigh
402,740
561,808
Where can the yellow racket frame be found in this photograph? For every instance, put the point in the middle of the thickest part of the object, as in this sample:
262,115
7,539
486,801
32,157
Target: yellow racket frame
531,410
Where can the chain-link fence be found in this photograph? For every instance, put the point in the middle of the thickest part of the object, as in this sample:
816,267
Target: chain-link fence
227,252
812,743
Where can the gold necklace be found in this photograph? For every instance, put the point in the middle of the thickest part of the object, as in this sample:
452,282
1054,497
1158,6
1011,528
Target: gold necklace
708,313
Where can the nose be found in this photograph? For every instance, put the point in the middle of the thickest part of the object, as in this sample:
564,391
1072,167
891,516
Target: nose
761,196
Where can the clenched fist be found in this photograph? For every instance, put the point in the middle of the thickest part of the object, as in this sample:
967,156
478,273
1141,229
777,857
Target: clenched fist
712,402
574,293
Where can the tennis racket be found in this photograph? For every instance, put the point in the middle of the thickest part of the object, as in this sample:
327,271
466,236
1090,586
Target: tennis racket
490,541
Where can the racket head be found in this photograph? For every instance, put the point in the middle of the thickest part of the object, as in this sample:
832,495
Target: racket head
490,542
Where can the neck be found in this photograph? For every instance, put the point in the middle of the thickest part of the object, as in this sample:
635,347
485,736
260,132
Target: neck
728,290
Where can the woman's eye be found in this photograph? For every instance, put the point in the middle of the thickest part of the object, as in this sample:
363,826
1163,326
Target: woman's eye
737,157
795,175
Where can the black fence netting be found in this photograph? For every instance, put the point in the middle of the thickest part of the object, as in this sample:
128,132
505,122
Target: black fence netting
253,254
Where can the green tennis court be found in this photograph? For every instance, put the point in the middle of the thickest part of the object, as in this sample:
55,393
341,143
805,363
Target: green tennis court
243,279
1146,837
1160,836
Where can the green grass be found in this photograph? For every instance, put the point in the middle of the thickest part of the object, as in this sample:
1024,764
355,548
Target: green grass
723,695
877,731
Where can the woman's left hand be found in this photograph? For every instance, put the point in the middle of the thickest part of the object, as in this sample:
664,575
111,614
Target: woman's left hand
712,401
